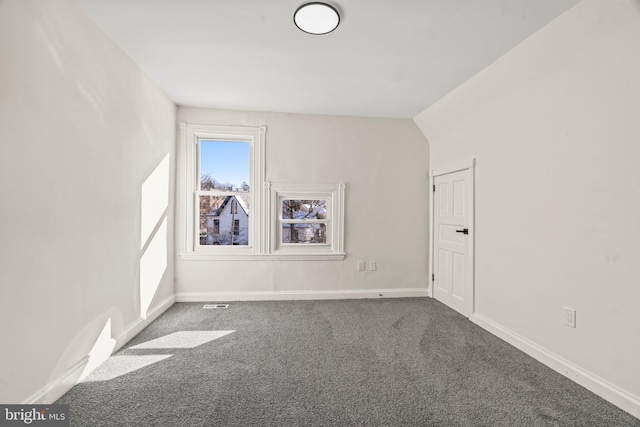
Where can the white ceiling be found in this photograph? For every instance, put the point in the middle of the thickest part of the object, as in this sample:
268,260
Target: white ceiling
388,58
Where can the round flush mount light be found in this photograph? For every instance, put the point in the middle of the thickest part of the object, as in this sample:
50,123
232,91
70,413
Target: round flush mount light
316,18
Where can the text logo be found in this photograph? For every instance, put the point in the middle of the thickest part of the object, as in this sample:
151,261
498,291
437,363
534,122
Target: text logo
34,415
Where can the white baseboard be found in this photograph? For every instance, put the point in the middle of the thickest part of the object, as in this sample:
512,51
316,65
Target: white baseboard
56,388
59,386
299,295
610,392
136,327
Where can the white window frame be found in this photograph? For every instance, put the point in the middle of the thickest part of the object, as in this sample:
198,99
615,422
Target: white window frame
264,213
333,194
188,190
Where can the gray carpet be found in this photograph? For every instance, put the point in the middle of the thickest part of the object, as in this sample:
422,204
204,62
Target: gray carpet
386,362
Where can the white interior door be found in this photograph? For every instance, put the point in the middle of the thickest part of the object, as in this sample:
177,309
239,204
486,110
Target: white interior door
452,255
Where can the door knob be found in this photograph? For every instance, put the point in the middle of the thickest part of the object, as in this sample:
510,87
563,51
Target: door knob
463,231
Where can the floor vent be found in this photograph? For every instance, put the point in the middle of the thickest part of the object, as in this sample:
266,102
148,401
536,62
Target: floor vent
216,306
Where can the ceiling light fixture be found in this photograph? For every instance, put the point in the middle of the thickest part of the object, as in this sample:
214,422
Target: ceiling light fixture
316,18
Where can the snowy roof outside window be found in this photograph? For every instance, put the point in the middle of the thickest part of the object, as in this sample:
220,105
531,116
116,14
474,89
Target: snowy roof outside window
241,202
293,209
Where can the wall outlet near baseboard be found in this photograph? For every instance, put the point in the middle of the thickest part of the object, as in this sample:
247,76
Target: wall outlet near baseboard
361,265
569,317
373,266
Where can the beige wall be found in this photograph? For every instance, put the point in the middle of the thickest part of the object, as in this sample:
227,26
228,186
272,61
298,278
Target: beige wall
86,155
384,163
554,126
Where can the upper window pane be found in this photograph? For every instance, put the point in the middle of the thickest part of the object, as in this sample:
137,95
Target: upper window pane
225,165
304,209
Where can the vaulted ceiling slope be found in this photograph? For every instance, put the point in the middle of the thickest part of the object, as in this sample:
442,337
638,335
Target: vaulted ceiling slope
386,59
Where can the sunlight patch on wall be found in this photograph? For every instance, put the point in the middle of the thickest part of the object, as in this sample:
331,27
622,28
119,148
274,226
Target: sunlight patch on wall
153,233
153,264
100,351
155,199
182,339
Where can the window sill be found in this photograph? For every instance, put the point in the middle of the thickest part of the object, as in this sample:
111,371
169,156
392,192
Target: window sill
262,257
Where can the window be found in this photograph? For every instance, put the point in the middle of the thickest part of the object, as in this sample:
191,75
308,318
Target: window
221,189
307,219
224,170
304,221
227,211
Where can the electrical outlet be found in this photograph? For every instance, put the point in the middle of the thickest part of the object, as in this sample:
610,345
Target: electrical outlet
373,266
569,317
361,265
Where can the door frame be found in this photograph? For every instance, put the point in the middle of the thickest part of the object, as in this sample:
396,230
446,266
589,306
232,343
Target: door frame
455,167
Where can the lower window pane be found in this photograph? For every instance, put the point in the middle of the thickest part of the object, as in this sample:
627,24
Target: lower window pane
224,220
304,233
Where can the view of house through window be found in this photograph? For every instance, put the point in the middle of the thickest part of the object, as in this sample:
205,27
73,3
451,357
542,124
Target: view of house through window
229,211
224,192
304,221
